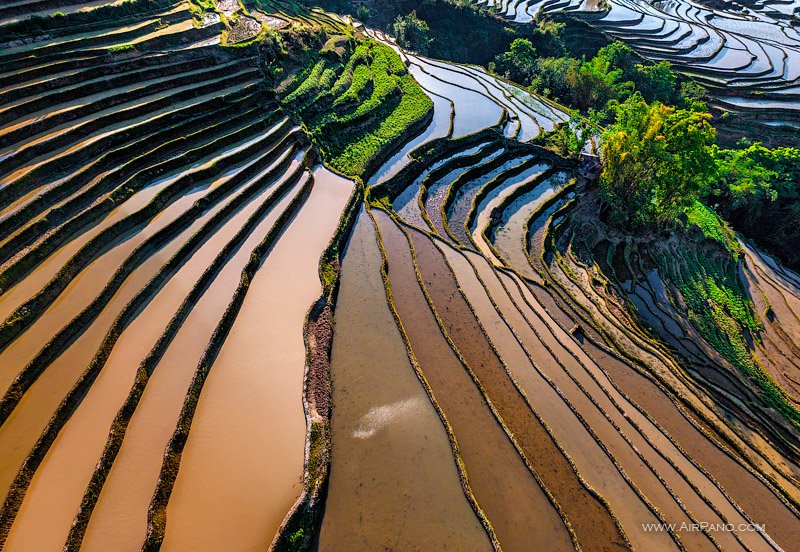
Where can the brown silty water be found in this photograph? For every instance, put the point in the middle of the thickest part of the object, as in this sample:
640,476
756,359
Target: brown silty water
593,463
57,488
608,429
53,157
393,481
120,516
758,501
589,518
23,427
28,286
242,467
84,287
594,380
25,424
515,505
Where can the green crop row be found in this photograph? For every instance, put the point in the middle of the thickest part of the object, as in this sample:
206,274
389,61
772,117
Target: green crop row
713,227
722,312
413,108
357,105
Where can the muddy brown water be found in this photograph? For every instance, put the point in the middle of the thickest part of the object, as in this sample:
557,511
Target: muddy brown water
20,431
783,327
515,505
57,487
23,427
28,286
757,501
119,519
585,370
752,495
393,481
242,467
84,287
608,426
597,467
589,518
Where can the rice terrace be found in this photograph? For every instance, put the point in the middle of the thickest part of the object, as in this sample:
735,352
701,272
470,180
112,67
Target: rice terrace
399,275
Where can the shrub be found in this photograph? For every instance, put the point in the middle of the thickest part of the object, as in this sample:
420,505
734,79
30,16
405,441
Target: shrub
120,48
412,33
363,13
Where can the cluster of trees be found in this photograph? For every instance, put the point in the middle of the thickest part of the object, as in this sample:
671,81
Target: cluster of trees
656,161
460,30
659,159
613,74
757,190
412,33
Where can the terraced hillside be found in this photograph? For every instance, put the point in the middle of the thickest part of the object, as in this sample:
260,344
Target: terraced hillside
163,218
747,52
269,281
625,408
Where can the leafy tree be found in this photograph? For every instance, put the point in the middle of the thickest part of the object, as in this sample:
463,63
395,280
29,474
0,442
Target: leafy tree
744,179
655,159
620,56
519,62
656,82
363,14
757,191
412,33
551,77
595,83
579,83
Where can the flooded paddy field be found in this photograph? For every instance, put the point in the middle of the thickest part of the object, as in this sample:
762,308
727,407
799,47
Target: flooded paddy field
157,214
240,310
636,459
390,451
749,57
506,490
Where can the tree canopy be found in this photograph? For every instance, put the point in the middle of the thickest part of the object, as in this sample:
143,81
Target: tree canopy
412,32
656,158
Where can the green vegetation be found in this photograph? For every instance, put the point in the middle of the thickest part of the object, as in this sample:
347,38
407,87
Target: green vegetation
460,29
120,48
363,14
721,311
412,33
357,100
590,84
757,191
712,227
655,159
296,539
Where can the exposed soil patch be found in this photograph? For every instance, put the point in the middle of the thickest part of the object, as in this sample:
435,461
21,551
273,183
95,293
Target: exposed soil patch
244,29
